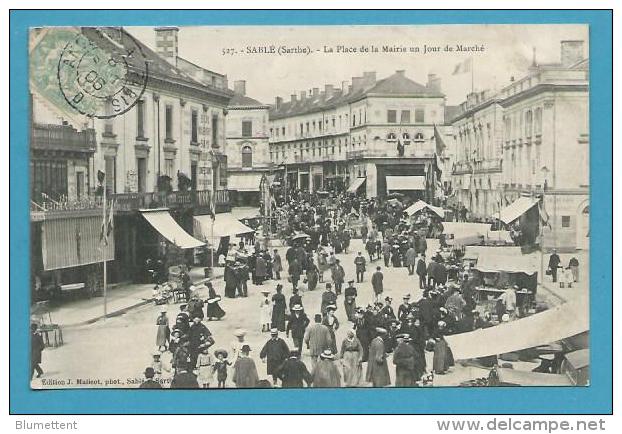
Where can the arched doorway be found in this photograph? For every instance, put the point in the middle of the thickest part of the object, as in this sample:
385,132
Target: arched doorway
583,226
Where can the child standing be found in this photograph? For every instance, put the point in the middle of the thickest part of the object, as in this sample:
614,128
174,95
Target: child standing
204,367
220,367
265,312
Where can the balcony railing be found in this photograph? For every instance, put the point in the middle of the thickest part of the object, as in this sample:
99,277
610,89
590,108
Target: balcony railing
410,151
478,166
62,137
130,202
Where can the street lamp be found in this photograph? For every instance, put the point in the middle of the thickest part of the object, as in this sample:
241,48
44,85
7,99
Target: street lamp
544,171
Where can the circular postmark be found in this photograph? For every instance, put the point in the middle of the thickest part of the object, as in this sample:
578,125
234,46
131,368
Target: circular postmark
102,72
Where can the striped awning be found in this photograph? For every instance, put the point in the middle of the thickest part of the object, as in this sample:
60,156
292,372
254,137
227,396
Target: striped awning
163,222
224,225
356,184
74,241
516,209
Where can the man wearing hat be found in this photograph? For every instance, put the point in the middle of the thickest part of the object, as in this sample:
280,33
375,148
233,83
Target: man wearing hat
360,265
338,275
377,368
350,300
404,361
326,373
149,382
404,308
297,325
244,370
387,314
184,379
317,338
198,334
274,353
377,283
422,271
293,372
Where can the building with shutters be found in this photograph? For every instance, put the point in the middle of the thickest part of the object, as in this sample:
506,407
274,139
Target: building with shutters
248,152
168,151
369,136
523,152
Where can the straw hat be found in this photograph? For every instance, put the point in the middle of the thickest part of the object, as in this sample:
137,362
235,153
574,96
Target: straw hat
327,355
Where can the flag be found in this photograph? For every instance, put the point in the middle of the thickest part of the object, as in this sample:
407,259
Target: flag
544,216
464,66
440,143
107,225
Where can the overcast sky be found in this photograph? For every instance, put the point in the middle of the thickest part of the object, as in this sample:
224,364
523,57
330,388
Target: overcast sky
507,52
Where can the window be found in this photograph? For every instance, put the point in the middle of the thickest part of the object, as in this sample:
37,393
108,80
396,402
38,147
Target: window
538,122
141,174
215,131
247,128
169,167
565,221
169,122
419,116
419,137
354,119
111,174
108,122
80,184
528,123
391,116
405,118
283,131
140,119
247,156
391,137
194,126
49,179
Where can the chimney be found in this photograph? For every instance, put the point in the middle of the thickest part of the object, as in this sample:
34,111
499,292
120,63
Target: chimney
239,87
344,87
316,92
328,91
293,97
370,78
303,95
434,83
277,102
571,52
166,43
357,83
401,72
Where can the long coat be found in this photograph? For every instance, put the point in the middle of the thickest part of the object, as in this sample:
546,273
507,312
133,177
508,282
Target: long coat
37,345
317,338
261,268
275,351
404,361
293,372
377,368
297,325
376,282
326,374
278,311
411,256
245,373
277,264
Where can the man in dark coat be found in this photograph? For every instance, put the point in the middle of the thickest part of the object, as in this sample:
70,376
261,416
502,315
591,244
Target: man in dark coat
421,271
297,325
338,275
36,347
404,308
198,334
377,283
293,372
364,331
554,262
359,263
294,271
184,380
328,298
149,382
274,353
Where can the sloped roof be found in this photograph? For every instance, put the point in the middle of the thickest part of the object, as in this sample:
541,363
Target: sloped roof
399,84
245,101
396,84
117,38
451,112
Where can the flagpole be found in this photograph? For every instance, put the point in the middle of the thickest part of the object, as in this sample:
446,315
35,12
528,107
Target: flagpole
104,251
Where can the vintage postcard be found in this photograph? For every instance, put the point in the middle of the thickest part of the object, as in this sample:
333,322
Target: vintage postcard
309,206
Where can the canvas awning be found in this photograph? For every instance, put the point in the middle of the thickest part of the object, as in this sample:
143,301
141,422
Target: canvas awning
420,205
225,225
405,183
163,222
356,184
528,378
459,233
490,261
516,209
499,236
561,322
244,182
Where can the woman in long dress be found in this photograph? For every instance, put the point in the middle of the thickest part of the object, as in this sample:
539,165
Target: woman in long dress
213,309
351,358
278,309
331,321
312,275
164,332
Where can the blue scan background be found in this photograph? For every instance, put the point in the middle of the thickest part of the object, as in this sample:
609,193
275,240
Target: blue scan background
597,398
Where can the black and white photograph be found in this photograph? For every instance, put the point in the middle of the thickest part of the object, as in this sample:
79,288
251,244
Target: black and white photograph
309,206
